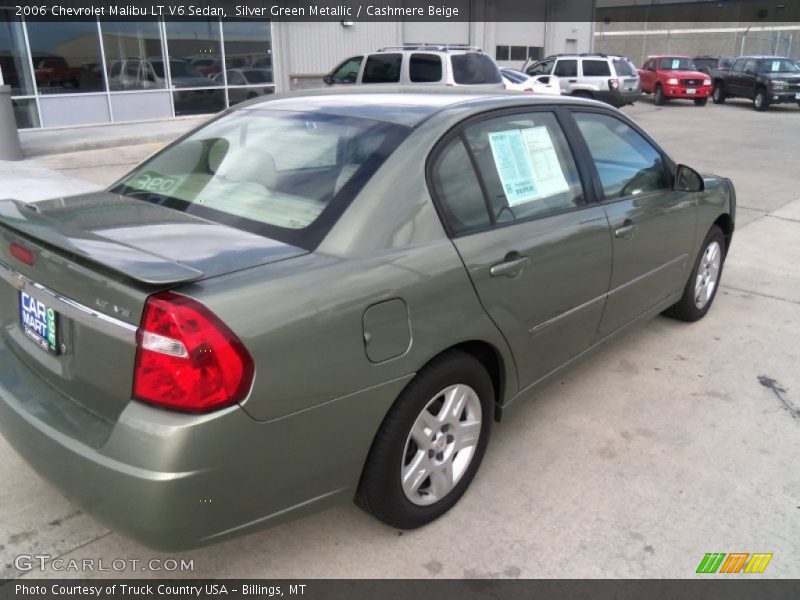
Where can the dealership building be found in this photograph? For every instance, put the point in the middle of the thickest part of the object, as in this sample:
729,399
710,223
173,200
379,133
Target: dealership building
68,73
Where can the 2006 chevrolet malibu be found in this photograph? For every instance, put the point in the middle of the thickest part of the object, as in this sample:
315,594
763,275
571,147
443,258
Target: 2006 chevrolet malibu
331,296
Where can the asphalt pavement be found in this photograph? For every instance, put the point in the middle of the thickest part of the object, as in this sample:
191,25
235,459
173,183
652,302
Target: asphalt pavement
674,441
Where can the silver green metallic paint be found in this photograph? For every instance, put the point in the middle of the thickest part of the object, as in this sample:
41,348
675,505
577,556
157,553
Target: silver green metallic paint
336,334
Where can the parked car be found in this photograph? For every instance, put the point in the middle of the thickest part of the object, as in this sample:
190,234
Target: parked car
328,296
442,65
763,79
206,65
246,77
674,77
612,79
541,84
712,65
54,71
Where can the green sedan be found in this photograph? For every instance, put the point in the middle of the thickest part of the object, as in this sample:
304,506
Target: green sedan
331,296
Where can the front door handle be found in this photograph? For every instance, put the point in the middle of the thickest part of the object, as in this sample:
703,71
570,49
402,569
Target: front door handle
625,231
510,268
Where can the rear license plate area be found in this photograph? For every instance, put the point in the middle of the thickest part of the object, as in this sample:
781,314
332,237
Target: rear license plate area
39,323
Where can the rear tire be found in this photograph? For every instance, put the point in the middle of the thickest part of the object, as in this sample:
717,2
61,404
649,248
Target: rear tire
658,96
700,101
761,100
718,95
701,289
424,455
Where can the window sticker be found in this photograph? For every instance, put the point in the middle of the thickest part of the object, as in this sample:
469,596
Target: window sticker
776,66
676,62
546,167
513,166
527,164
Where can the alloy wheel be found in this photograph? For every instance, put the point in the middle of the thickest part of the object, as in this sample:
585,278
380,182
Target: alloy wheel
707,274
441,445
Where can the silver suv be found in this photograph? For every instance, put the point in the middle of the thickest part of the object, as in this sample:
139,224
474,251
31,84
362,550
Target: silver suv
612,79
413,64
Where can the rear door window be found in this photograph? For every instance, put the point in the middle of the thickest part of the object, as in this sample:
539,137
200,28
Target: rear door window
472,68
425,68
382,68
596,68
566,68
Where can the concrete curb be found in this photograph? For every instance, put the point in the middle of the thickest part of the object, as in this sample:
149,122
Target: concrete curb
40,142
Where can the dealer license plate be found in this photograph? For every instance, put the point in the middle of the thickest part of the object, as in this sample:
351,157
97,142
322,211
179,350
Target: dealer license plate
691,91
39,322
797,96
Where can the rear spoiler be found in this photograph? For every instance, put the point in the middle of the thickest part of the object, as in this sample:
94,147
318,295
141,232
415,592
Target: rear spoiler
144,267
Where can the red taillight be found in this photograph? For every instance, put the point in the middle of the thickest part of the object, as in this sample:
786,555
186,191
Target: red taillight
529,90
22,254
613,84
187,359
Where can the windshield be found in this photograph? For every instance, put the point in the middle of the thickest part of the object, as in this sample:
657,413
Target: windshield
472,68
284,175
676,63
777,65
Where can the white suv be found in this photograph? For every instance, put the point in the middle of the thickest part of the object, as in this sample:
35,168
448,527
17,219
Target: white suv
612,79
428,65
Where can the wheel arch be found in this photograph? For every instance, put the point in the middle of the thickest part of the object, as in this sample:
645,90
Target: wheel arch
725,223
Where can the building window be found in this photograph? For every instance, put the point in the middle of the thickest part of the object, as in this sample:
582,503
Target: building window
14,56
248,60
66,57
195,59
519,52
134,57
25,112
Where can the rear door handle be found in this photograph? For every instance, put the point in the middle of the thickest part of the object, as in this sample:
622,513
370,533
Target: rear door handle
573,80
510,268
625,231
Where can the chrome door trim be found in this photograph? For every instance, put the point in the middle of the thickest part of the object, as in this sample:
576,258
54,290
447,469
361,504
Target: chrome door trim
68,307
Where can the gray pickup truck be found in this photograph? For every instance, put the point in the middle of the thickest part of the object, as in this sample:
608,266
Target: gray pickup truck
765,80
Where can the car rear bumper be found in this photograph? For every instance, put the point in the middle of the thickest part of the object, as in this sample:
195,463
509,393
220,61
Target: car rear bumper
680,91
619,98
174,481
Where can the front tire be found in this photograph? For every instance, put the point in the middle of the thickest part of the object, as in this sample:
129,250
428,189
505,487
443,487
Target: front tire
700,101
658,96
430,444
761,100
701,289
718,96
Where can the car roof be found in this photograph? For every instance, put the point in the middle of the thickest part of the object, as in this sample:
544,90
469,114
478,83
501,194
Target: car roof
669,56
401,105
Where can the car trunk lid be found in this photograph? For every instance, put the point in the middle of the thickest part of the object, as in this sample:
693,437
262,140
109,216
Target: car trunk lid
95,260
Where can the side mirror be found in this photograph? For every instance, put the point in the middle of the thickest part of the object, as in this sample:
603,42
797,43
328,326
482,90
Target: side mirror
328,80
688,180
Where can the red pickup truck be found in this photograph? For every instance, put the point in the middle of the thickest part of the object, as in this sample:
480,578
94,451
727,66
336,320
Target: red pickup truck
668,77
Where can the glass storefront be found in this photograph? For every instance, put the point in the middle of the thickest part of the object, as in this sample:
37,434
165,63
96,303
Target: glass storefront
79,72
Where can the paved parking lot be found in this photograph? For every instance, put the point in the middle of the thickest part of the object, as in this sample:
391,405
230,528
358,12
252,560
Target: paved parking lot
674,441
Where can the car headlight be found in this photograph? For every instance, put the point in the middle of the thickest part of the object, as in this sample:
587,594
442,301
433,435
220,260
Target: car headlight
706,82
672,81
778,83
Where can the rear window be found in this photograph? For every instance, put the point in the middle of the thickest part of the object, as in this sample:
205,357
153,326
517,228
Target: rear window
474,69
425,68
566,68
596,68
382,68
624,68
287,176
